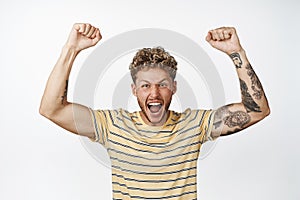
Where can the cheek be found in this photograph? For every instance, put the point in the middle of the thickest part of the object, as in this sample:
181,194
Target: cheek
141,95
167,95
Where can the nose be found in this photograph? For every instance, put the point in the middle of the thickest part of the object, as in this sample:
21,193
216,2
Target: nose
154,92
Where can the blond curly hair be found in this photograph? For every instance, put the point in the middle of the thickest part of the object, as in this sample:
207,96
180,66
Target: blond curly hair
153,57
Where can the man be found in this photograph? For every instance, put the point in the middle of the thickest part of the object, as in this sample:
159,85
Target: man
154,151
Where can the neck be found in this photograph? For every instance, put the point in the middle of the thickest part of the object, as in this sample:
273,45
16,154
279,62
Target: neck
147,121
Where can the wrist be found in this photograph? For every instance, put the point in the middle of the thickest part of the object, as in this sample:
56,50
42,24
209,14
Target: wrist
240,51
67,56
70,49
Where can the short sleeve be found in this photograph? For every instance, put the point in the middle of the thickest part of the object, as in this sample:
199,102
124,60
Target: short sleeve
100,123
206,125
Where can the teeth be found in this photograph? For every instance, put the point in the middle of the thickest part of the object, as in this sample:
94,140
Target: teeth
154,104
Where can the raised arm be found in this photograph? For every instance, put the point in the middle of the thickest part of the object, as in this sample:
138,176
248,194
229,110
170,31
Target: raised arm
54,104
254,105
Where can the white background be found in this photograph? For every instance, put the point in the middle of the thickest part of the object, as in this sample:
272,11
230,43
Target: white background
39,160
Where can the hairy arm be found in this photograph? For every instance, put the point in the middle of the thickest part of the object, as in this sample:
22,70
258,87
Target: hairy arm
254,105
54,104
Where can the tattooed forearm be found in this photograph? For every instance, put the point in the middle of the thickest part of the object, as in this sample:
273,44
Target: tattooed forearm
255,83
247,99
64,96
236,60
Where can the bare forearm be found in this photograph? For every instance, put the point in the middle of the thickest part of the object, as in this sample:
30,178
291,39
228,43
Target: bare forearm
55,94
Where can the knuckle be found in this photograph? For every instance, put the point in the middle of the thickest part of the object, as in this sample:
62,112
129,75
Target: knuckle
220,31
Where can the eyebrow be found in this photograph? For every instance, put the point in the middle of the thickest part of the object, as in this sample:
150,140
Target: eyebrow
158,81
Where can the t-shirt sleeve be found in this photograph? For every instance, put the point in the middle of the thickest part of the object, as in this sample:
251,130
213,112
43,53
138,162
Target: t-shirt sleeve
206,125
100,119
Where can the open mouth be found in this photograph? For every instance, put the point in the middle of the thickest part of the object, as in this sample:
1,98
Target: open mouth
154,107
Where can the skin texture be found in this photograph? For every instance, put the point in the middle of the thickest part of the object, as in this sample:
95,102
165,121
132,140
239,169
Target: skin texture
153,86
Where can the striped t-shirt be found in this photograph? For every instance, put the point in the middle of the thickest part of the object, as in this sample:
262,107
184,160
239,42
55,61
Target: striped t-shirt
153,162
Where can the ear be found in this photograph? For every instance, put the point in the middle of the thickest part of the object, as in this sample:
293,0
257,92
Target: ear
133,89
174,87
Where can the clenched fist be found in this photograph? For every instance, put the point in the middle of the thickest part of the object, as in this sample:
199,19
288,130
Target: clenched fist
224,39
83,36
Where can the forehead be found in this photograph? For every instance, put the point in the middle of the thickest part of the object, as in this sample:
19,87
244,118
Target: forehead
152,75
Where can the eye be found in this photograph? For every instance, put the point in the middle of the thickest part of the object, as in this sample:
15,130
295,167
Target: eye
145,86
163,85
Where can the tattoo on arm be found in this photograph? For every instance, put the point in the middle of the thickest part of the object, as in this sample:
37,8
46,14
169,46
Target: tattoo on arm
255,83
223,111
247,99
231,132
64,96
235,119
220,113
236,58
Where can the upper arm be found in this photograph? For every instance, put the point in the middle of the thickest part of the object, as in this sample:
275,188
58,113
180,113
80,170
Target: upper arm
75,118
232,118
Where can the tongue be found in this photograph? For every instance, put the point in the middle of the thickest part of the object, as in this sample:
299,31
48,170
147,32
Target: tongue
154,109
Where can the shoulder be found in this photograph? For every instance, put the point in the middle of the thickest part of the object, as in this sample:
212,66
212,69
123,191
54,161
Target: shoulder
196,117
119,111
190,113
113,114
